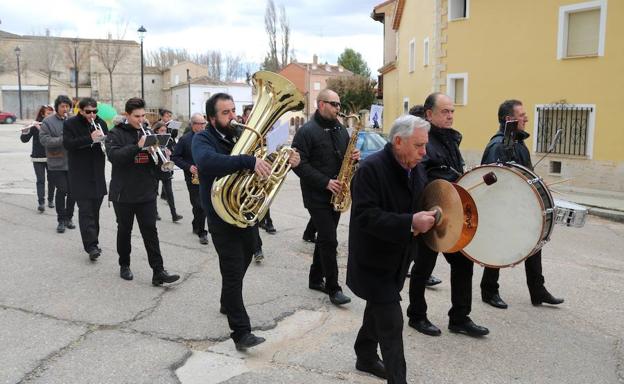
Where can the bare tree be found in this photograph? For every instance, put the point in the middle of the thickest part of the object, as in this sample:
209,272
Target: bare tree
110,54
233,68
164,58
285,29
274,61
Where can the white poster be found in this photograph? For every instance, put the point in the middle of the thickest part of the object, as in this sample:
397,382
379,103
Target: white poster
376,116
277,136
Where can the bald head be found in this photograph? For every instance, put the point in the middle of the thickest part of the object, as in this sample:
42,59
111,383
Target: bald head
328,103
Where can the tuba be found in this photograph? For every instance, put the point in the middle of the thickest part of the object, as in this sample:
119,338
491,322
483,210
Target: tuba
243,198
342,201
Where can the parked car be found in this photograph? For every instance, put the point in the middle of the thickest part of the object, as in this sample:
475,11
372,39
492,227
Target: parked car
369,142
7,118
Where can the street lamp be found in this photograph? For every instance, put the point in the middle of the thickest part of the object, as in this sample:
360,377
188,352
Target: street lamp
75,44
141,32
18,51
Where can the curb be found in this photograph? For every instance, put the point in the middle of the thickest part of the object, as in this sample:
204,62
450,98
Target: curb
609,214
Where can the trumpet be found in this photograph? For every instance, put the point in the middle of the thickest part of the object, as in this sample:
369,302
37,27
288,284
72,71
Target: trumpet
167,165
98,127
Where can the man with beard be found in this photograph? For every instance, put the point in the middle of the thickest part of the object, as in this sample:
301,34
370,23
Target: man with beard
211,150
323,142
83,137
443,161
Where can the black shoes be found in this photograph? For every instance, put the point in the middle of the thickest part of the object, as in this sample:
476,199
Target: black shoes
94,254
425,327
494,300
318,286
247,341
203,239
469,328
175,218
376,368
158,218
60,228
69,224
431,281
41,208
310,238
339,298
50,204
267,225
258,256
161,277
125,272
545,297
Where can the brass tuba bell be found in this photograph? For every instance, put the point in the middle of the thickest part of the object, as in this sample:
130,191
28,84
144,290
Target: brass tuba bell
243,198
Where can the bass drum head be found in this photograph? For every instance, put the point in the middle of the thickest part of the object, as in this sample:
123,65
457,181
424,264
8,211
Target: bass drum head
510,217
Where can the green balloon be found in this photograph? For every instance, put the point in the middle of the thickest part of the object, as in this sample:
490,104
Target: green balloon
106,112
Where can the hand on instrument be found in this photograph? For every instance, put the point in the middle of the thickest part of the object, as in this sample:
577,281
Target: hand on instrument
355,155
334,186
141,142
294,159
193,169
167,152
96,135
262,168
423,221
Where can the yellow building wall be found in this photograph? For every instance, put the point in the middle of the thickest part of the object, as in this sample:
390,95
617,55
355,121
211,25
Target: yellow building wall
509,50
391,99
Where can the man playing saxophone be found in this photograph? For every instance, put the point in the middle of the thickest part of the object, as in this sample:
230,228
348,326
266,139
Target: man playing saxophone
211,149
323,143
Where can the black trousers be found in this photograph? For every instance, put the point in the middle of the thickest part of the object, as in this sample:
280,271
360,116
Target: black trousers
63,200
146,217
234,247
534,276
383,325
461,285
168,193
89,221
310,229
199,217
324,264
257,239
41,168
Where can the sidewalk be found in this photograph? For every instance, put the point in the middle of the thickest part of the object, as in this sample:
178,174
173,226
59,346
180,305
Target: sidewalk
605,204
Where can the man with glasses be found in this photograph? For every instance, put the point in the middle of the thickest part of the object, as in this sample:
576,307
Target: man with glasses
183,158
322,143
83,137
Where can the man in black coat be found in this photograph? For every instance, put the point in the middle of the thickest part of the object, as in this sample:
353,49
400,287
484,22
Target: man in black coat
386,219
133,191
183,158
322,142
495,152
83,138
443,161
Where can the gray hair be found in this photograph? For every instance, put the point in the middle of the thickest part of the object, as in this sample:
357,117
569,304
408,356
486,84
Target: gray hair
195,115
404,126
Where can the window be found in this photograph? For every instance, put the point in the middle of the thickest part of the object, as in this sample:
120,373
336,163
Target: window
458,9
72,75
576,123
582,29
412,55
405,105
317,85
457,88
176,80
426,51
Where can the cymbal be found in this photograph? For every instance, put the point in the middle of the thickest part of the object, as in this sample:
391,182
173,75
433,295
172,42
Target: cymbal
457,222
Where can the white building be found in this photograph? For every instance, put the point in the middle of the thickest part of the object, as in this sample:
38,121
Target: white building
200,90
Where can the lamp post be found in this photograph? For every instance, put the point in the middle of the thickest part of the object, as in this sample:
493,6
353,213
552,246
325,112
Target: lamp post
75,44
18,51
141,32
188,79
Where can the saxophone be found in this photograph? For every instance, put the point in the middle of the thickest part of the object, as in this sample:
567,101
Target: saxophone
342,201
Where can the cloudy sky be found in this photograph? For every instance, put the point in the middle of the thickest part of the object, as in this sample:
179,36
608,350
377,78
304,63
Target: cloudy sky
324,27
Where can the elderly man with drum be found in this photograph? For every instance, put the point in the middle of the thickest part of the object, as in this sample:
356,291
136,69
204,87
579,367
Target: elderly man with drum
514,150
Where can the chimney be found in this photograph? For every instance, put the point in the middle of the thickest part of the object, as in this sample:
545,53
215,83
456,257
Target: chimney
314,59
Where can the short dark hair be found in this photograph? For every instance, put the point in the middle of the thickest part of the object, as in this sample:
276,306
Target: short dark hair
430,102
418,111
134,103
62,99
163,111
87,101
247,108
157,125
507,109
211,103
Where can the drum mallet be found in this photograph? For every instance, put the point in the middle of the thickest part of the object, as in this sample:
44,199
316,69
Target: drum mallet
488,179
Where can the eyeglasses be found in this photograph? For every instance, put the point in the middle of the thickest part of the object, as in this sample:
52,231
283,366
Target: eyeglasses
199,122
88,111
335,104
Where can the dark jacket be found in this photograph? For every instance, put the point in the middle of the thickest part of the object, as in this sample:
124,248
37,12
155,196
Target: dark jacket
381,243
322,145
51,137
85,158
495,151
133,176
211,153
183,155
443,159
38,151
166,175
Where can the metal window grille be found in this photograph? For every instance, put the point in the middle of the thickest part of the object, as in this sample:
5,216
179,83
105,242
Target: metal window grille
573,120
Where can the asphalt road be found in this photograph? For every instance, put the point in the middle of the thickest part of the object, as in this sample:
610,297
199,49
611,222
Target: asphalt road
64,319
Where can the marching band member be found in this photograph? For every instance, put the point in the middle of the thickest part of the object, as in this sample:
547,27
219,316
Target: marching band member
167,176
83,136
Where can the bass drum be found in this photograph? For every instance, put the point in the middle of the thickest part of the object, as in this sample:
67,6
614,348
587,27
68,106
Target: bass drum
516,214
